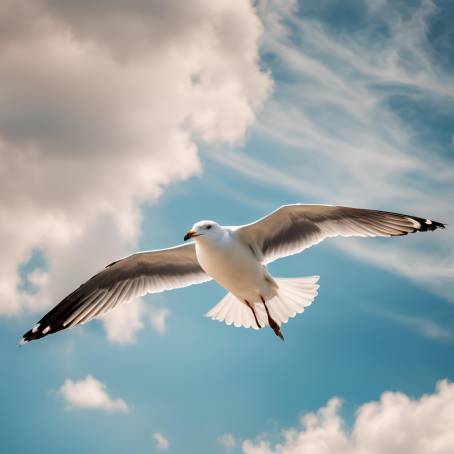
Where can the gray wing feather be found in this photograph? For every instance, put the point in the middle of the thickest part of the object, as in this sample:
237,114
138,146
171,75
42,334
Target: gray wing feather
293,228
121,281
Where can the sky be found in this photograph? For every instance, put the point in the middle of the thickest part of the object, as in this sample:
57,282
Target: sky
124,123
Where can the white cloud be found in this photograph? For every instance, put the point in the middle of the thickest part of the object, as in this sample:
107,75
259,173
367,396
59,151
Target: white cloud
162,443
423,325
90,393
124,322
227,441
95,121
344,142
394,425
158,319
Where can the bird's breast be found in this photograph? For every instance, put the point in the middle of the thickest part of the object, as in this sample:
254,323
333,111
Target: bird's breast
231,264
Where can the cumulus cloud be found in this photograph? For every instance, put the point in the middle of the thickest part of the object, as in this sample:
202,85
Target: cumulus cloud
227,441
161,442
352,118
394,425
158,319
90,393
95,121
124,322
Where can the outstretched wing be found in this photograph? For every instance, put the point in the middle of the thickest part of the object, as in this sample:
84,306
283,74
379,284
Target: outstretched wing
292,228
123,280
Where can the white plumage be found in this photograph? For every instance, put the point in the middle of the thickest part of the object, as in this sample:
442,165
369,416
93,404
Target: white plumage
236,257
295,294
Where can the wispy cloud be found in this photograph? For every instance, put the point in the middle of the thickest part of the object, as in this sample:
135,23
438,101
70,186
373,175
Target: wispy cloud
90,393
423,325
338,122
432,268
394,424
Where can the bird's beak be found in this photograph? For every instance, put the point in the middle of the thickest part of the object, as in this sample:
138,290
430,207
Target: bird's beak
190,234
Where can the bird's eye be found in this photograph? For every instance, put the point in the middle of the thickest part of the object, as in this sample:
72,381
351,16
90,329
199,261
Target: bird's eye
208,227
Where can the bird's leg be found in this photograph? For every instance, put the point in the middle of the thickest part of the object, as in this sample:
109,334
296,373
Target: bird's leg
272,322
253,311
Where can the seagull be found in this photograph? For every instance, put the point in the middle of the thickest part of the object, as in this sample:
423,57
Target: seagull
236,258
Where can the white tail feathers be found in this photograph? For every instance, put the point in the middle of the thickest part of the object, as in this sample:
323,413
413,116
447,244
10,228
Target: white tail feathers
294,295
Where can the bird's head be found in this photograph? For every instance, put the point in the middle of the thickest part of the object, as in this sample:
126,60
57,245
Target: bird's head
206,229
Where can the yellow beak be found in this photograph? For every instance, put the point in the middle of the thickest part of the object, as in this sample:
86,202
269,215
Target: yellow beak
190,234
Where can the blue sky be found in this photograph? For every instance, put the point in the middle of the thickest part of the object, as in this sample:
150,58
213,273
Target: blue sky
341,103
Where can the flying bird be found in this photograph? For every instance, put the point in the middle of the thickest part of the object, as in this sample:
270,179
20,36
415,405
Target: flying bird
236,258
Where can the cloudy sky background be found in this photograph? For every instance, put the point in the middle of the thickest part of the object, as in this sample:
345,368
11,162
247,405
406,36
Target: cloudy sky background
121,124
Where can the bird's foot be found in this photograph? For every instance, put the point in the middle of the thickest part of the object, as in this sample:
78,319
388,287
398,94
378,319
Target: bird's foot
255,315
273,324
276,328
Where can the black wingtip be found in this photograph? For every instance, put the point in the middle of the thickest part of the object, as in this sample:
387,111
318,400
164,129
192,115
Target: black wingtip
429,225
30,335
26,338
40,330
22,342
